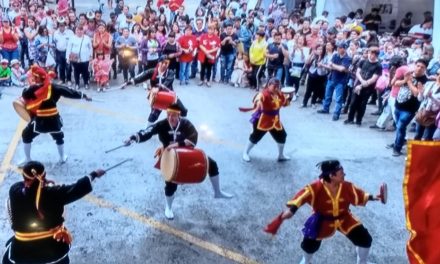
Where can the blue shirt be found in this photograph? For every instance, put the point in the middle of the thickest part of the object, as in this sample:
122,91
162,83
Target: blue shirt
337,76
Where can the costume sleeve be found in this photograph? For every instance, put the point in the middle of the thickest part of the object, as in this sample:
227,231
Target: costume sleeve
66,91
140,78
189,131
168,82
303,196
70,193
146,134
357,196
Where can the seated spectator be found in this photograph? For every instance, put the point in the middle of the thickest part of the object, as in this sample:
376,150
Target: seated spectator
5,73
18,75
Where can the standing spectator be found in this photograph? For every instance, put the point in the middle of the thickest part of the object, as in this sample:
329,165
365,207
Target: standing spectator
275,58
31,32
139,36
102,41
317,76
45,45
407,102
198,31
246,33
209,45
127,46
227,53
188,44
373,20
422,31
366,76
257,56
8,40
79,53
121,21
429,109
298,58
61,38
150,49
338,79
171,50
119,7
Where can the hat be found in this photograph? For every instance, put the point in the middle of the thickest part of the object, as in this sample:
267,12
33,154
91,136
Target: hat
14,61
174,108
4,61
5,18
358,29
90,15
341,44
38,71
61,20
34,170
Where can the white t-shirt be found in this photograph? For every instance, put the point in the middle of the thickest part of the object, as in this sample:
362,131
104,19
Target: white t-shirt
419,30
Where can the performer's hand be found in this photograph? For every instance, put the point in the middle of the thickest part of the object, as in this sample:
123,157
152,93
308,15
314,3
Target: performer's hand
170,146
87,98
287,214
97,173
130,140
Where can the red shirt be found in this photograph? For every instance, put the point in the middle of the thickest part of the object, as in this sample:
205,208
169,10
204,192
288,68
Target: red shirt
175,4
209,42
187,42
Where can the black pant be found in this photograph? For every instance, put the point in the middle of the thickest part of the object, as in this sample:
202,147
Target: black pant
315,88
171,187
28,135
278,135
206,70
83,69
127,67
63,69
359,236
24,51
257,74
358,104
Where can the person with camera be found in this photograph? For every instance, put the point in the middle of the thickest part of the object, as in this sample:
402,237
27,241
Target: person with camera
126,46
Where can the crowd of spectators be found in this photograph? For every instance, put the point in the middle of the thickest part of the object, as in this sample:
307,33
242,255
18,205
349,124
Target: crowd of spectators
347,61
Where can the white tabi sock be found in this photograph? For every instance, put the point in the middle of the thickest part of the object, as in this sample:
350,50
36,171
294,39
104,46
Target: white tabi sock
246,151
168,211
307,258
362,255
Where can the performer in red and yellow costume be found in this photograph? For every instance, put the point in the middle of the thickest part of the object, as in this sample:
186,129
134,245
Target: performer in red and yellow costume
330,198
40,100
266,118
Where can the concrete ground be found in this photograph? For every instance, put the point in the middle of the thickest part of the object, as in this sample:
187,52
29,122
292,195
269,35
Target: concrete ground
122,221
123,218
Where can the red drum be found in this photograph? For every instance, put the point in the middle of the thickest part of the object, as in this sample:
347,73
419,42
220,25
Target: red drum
184,165
20,107
162,100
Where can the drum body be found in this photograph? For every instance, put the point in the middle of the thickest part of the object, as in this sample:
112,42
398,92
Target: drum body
20,107
162,100
184,165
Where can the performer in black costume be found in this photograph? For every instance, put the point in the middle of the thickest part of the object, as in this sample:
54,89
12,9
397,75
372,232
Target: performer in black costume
160,77
36,213
41,102
175,131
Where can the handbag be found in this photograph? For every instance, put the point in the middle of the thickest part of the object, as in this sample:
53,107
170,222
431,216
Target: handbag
425,117
74,57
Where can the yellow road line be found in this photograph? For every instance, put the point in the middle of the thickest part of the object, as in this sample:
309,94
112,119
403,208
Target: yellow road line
11,150
224,252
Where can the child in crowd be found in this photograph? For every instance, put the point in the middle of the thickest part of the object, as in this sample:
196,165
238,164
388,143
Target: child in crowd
238,72
18,76
5,73
101,69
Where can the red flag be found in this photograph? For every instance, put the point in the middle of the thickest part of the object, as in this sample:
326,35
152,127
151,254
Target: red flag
421,190
273,227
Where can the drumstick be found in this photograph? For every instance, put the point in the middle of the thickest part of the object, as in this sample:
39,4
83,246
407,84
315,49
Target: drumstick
97,100
118,147
117,164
